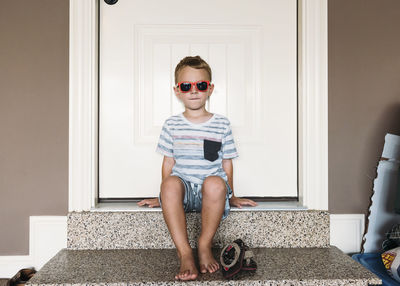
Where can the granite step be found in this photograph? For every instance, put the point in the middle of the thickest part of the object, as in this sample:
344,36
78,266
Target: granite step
276,266
147,229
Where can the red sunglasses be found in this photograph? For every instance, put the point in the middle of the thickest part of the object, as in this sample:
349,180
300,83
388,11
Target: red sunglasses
201,85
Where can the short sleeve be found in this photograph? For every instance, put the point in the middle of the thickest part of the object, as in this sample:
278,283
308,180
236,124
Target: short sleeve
228,144
165,142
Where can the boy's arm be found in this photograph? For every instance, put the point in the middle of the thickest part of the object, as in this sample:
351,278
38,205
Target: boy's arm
166,170
234,201
167,165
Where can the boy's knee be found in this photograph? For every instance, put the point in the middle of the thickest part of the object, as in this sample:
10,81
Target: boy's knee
171,186
214,186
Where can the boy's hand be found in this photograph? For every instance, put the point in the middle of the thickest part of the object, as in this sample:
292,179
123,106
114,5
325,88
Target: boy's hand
151,203
239,202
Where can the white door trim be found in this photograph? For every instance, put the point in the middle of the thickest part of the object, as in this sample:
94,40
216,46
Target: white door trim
313,105
83,105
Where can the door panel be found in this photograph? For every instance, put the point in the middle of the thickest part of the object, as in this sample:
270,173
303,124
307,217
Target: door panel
251,48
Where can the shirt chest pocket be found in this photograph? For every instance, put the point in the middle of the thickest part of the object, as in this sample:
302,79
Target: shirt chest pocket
211,149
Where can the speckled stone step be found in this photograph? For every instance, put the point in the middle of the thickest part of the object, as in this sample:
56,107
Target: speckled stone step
147,230
276,266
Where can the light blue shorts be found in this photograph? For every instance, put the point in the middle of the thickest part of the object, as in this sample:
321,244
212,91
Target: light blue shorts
193,198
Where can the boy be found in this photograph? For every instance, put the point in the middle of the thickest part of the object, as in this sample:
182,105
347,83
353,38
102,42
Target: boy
197,169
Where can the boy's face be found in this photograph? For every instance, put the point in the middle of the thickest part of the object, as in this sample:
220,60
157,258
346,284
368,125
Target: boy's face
193,99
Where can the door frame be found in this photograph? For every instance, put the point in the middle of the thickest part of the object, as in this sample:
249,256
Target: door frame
312,105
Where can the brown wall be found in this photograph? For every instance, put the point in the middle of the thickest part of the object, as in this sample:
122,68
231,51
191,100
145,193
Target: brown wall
364,95
33,116
364,104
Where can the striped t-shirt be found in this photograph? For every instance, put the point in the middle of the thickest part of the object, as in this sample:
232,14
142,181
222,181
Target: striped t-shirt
198,149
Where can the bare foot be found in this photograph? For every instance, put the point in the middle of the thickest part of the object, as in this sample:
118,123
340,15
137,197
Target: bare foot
206,259
188,270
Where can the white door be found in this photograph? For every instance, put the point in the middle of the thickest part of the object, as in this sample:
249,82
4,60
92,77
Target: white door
252,50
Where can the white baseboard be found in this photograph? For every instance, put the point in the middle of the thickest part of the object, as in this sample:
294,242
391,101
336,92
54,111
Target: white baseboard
347,231
47,235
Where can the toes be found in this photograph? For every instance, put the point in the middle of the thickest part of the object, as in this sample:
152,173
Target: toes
213,267
193,276
186,275
216,266
203,268
180,275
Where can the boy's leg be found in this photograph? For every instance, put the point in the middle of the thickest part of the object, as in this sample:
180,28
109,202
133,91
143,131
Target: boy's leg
172,195
213,205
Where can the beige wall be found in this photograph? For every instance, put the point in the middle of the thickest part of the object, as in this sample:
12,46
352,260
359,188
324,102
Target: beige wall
33,116
364,104
364,95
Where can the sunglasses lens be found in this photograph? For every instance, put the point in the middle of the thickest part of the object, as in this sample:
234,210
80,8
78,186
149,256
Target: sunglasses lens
202,86
185,86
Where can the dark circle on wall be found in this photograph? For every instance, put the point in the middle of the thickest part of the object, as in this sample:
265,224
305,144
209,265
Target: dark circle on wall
111,2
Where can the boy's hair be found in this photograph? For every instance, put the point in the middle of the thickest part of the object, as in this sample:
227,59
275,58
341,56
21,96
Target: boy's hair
195,62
